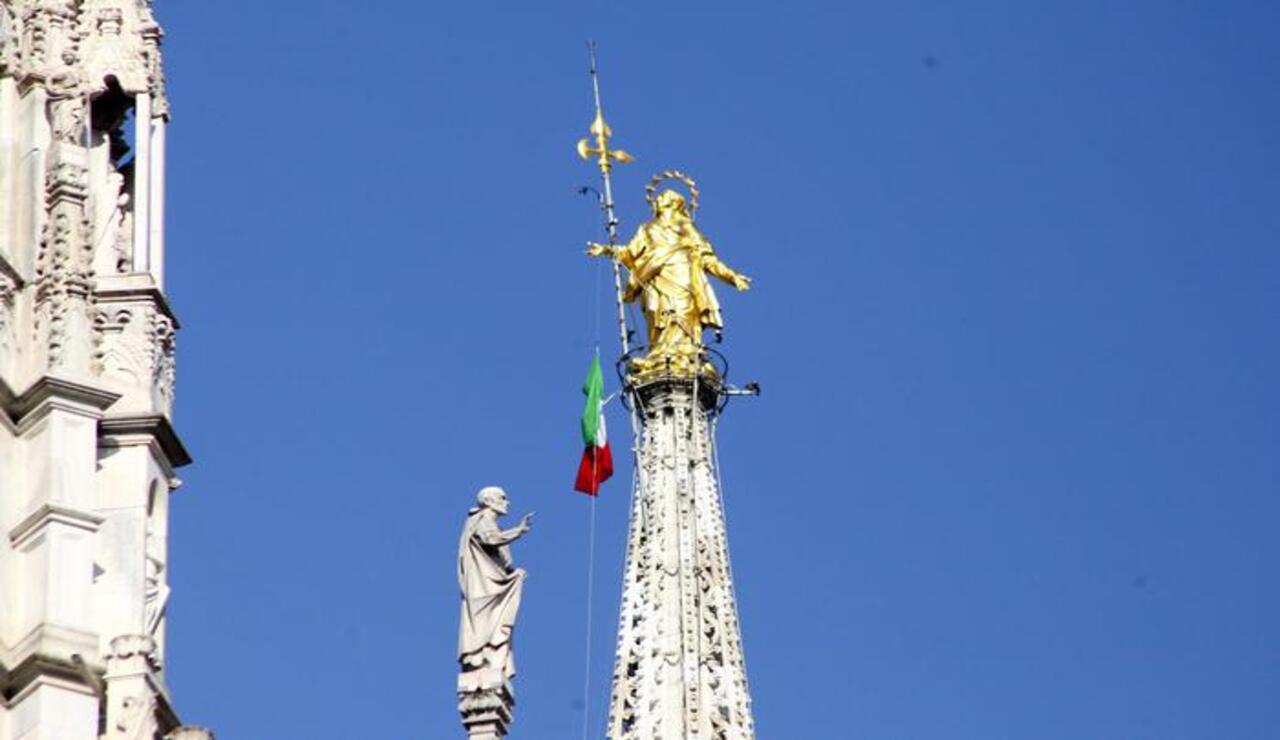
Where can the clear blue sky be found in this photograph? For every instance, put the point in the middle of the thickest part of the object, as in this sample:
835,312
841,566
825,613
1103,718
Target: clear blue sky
1016,468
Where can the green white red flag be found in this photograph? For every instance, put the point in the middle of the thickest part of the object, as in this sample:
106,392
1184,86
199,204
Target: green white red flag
597,460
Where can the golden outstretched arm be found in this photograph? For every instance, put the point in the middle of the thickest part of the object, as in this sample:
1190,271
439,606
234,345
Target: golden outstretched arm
713,265
710,263
625,255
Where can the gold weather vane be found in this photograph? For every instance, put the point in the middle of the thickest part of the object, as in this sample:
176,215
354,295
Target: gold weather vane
605,157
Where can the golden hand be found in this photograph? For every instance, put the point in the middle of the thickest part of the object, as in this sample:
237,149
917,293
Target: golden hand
741,282
595,250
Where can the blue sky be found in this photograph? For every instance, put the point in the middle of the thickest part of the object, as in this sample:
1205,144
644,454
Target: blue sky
1014,473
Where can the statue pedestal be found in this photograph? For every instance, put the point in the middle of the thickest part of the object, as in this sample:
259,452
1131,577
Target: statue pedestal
486,713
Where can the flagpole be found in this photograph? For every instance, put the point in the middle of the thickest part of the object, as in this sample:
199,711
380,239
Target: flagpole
605,159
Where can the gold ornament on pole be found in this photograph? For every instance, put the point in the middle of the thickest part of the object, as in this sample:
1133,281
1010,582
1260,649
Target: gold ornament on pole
605,157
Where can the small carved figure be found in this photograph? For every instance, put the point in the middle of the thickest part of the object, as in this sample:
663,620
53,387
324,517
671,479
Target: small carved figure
121,226
68,120
491,588
155,590
668,260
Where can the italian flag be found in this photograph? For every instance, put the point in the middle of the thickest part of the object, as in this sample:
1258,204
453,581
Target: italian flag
597,460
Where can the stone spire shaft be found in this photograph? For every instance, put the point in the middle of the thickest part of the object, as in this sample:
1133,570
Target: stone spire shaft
679,670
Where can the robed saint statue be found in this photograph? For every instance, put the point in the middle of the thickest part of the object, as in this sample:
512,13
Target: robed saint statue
491,588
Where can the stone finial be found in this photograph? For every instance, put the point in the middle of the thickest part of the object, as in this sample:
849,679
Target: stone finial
127,646
131,654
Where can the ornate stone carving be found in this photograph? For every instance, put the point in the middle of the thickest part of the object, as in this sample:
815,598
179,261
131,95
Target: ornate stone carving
8,290
156,588
10,41
115,47
131,692
136,345
117,233
126,647
68,116
123,352
152,37
163,357
109,21
50,39
122,240
136,719
63,274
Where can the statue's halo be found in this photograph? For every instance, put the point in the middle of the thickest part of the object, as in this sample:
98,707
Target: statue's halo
651,189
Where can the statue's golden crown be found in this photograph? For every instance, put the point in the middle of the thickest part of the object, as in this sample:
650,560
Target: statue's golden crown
650,190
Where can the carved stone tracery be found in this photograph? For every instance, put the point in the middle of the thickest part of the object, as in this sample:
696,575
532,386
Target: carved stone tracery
64,271
10,41
117,46
135,345
48,40
163,352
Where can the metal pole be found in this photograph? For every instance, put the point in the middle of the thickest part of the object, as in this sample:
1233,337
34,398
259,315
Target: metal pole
611,220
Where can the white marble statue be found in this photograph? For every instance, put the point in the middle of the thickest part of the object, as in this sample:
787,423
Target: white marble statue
491,588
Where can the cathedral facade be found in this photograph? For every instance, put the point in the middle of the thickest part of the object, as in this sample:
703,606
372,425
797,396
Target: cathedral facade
88,451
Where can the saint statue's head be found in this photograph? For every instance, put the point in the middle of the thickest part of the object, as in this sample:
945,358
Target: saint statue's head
493,497
670,205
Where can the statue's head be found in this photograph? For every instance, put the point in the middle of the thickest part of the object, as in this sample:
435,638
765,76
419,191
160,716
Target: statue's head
670,204
493,497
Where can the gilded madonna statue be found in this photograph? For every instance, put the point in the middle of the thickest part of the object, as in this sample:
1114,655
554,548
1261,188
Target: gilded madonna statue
668,261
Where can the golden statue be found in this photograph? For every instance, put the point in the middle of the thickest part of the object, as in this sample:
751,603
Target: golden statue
668,261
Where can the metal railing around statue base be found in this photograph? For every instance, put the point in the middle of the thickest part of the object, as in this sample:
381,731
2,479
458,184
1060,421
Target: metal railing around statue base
710,382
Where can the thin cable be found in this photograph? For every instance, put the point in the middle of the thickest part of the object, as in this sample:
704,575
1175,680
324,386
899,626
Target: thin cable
728,557
586,681
690,451
593,307
596,294
591,539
